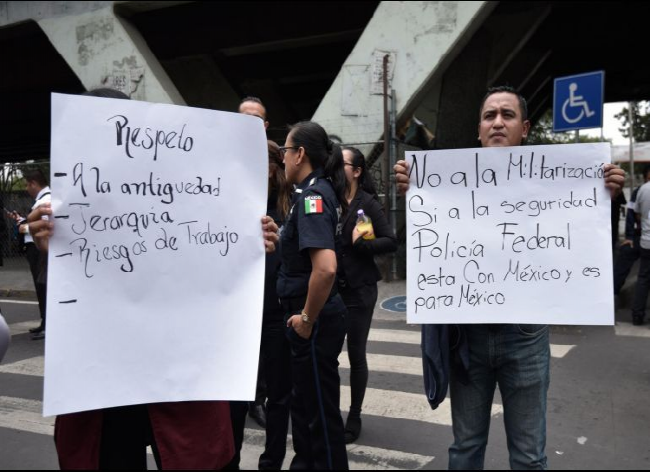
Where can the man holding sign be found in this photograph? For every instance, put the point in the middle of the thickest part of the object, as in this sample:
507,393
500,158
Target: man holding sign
514,356
133,209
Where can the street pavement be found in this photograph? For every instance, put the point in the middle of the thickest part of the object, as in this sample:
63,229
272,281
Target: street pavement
598,408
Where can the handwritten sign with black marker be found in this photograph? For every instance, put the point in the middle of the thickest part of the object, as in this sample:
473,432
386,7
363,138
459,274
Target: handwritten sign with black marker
510,235
156,267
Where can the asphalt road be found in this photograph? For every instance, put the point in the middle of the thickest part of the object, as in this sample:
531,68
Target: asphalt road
598,409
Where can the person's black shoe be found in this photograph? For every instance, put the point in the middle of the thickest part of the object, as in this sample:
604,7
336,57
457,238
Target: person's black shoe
258,413
37,330
637,320
38,336
352,429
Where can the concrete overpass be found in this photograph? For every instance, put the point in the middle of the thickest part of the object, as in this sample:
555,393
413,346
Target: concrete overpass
311,59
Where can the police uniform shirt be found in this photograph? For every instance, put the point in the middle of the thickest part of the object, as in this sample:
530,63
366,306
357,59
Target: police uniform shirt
313,223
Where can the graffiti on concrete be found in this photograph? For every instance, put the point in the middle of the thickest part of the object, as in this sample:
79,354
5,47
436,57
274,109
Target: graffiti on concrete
126,76
94,37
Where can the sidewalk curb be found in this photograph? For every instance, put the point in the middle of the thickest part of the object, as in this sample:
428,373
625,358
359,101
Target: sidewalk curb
10,293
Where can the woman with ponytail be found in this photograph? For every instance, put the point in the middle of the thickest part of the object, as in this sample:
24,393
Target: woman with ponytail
314,311
358,275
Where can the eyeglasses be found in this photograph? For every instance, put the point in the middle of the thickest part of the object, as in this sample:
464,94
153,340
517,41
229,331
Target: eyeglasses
284,149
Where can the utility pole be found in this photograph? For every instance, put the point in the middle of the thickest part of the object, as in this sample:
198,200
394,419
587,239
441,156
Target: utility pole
386,176
393,188
386,137
631,132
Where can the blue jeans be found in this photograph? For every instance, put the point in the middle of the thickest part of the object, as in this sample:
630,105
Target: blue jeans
517,358
642,287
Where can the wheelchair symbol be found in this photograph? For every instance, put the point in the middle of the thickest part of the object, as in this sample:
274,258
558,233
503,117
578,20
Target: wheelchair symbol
575,101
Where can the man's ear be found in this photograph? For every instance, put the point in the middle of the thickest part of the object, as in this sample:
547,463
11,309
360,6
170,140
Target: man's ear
526,129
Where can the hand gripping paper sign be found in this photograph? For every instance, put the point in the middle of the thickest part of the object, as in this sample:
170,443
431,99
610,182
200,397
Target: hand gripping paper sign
510,235
156,266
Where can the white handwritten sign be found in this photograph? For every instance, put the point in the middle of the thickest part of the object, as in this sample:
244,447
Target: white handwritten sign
156,267
510,235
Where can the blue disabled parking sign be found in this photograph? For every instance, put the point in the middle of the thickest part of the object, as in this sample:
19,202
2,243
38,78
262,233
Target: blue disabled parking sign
578,101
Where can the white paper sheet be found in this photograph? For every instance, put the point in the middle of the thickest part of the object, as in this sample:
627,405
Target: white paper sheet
510,235
156,267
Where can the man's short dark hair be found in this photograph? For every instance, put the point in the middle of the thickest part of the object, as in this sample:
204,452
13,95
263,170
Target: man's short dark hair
250,98
106,93
523,106
35,175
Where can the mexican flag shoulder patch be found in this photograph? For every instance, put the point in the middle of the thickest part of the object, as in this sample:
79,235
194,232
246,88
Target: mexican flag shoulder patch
313,204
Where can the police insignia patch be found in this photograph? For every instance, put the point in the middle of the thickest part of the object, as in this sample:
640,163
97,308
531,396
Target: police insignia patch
313,204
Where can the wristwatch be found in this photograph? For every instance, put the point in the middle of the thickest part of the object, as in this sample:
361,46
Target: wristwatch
305,317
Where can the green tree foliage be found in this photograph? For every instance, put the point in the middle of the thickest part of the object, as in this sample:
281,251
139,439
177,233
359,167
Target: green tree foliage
542,133
10,178
641,116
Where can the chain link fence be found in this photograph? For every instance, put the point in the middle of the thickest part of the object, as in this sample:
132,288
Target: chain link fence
14,197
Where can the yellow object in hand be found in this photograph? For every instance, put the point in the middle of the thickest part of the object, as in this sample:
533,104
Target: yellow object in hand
365,224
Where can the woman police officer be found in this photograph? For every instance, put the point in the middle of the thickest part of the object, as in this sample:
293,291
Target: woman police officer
306,287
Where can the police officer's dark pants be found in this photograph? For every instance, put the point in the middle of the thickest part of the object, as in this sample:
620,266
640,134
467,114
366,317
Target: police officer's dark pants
33,256
625,259
276,352
238,410
317,426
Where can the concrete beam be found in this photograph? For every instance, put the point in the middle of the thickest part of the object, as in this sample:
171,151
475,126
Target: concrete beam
16,12
530,23
463,87
202,83
105,50
423,38
295,43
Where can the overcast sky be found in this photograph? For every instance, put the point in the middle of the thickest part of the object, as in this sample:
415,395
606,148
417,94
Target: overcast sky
612,124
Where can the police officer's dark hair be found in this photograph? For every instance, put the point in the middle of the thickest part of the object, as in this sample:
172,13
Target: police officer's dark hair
523,106
106,93
322,154
359,161
35,175
278,180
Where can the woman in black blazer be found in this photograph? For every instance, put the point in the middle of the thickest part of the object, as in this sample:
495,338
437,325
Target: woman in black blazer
358,276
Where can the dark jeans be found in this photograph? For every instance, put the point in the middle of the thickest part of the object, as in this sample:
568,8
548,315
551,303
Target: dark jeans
276,352
625,259
360,303
517,358
33,256
317,426
642,286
